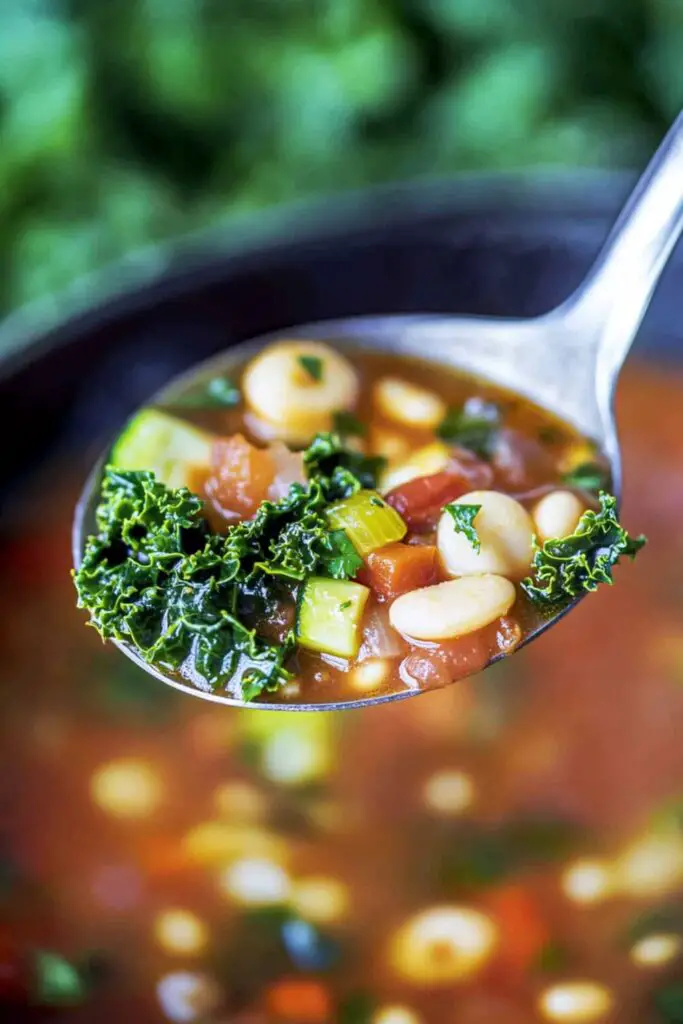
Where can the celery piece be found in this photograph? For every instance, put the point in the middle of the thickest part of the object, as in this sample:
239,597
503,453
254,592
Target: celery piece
329,616
367,520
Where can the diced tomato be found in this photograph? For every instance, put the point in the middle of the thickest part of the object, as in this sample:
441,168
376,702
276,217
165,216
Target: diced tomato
420,501
302,1000
432,667
397,568
240,477
523,931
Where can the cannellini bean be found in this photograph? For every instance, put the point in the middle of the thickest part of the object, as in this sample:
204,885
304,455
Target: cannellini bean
505,530
388,443
370,674
286,400
453,608
432,458
557,514
406,403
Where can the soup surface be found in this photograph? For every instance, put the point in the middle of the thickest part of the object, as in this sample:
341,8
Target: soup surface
508,850
353,524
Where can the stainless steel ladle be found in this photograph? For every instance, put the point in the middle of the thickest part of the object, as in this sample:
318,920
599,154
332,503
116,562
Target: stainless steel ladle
567,361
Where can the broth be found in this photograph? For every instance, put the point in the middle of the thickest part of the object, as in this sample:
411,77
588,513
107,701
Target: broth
162,853
449,444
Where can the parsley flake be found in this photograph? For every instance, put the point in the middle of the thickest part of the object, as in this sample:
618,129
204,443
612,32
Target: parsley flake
463,516
313,365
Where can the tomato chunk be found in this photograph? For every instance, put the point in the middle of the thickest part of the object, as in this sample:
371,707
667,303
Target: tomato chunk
398,568
239,479
420,501
432,667
524,933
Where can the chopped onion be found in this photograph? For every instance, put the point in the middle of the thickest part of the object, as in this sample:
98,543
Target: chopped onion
380,640
289,469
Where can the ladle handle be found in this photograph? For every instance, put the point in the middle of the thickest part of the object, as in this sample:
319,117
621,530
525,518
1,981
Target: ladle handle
609,306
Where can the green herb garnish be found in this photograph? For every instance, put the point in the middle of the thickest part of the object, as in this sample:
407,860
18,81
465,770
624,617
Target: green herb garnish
551,958
219,392
474,426
589,476
463,516
668,1001
313,365
153,577
565,567
344,605
348,425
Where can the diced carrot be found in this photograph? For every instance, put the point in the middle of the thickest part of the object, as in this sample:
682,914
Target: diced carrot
397,568
240,477
523,932
301,1000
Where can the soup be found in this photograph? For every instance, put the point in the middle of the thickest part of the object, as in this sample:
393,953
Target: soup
505,850
352,524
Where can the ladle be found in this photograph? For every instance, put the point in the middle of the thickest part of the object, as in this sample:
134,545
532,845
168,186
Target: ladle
567,360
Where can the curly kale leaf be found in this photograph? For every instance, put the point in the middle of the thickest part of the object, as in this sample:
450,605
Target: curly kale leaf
565,567
340,470
153,576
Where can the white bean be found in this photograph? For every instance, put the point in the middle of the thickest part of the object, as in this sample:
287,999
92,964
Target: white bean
452,609
406,403
370,674
432,458
293,402
557,514
388,443
505,530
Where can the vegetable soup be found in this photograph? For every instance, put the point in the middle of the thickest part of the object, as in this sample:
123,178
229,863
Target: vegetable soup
320,525
508,850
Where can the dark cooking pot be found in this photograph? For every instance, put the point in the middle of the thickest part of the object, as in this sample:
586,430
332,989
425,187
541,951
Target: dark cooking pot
508,247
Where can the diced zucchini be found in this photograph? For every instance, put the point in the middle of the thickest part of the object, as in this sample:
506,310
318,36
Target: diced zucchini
169,447
329,616
367,520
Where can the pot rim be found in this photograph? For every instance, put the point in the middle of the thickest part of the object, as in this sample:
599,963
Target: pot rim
178,264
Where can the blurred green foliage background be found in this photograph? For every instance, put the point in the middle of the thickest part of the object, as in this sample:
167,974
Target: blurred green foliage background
126,121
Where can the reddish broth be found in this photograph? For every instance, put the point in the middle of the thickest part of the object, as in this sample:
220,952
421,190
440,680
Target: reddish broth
125,803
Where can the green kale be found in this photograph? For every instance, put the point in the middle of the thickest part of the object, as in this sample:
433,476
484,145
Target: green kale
565,567
342,470
589,476
313,366
290,538
474,426
668,1002
463,517
348,425
155,578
